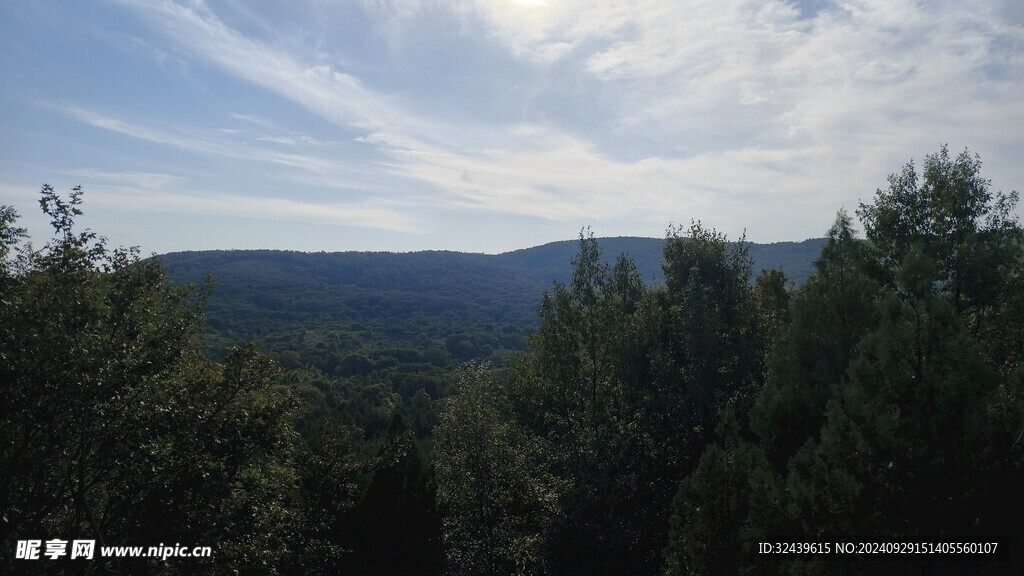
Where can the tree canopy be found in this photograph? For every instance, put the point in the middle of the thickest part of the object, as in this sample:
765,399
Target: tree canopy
669,427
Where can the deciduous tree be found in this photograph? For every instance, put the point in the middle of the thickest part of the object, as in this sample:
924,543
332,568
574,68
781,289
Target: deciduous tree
115,428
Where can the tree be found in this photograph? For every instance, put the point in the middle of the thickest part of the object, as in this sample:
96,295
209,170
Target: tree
917,441
969,232
332,482
625,383
496,496
910,450
398,527
709,530
581,387
115,428
771,300
707,354
893,400
829,316
10,236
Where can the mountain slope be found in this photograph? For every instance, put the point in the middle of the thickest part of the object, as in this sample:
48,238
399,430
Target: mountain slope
373,299
551,262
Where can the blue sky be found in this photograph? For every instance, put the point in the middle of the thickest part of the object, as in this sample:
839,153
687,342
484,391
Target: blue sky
491,125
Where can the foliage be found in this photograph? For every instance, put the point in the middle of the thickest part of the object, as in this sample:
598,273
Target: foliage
397,524
115,428
641,422
621,382
319,310
893,398
498,500
574,389
828,316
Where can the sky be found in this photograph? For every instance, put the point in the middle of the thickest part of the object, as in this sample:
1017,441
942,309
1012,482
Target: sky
491,125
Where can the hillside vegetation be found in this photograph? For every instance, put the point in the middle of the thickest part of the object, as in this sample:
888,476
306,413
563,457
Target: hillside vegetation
419,299
646,424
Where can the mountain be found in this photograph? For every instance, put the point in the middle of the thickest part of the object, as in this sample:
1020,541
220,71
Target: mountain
359,300
552,262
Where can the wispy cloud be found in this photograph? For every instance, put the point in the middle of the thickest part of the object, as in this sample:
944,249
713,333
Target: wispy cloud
359,215
149,181
744,111
155,193
324,90
310,168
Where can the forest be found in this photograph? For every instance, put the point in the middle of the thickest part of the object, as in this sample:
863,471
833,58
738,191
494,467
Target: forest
610,420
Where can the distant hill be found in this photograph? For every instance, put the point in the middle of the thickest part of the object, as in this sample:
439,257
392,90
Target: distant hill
371,299
551,262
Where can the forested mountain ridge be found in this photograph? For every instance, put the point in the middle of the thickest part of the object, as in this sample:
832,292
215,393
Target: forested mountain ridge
551,262
431,270
409,297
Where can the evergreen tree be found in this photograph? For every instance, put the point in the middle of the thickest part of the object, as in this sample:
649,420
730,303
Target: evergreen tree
970,234
910,450
580,388
829,315
893,402
709,528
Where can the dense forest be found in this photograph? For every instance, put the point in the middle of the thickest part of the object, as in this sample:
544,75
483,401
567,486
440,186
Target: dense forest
474,306
378,328
632,421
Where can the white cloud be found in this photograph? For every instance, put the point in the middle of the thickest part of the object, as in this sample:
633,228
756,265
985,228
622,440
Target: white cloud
324,90
360,215
731,109
144,180
154,193
306,167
